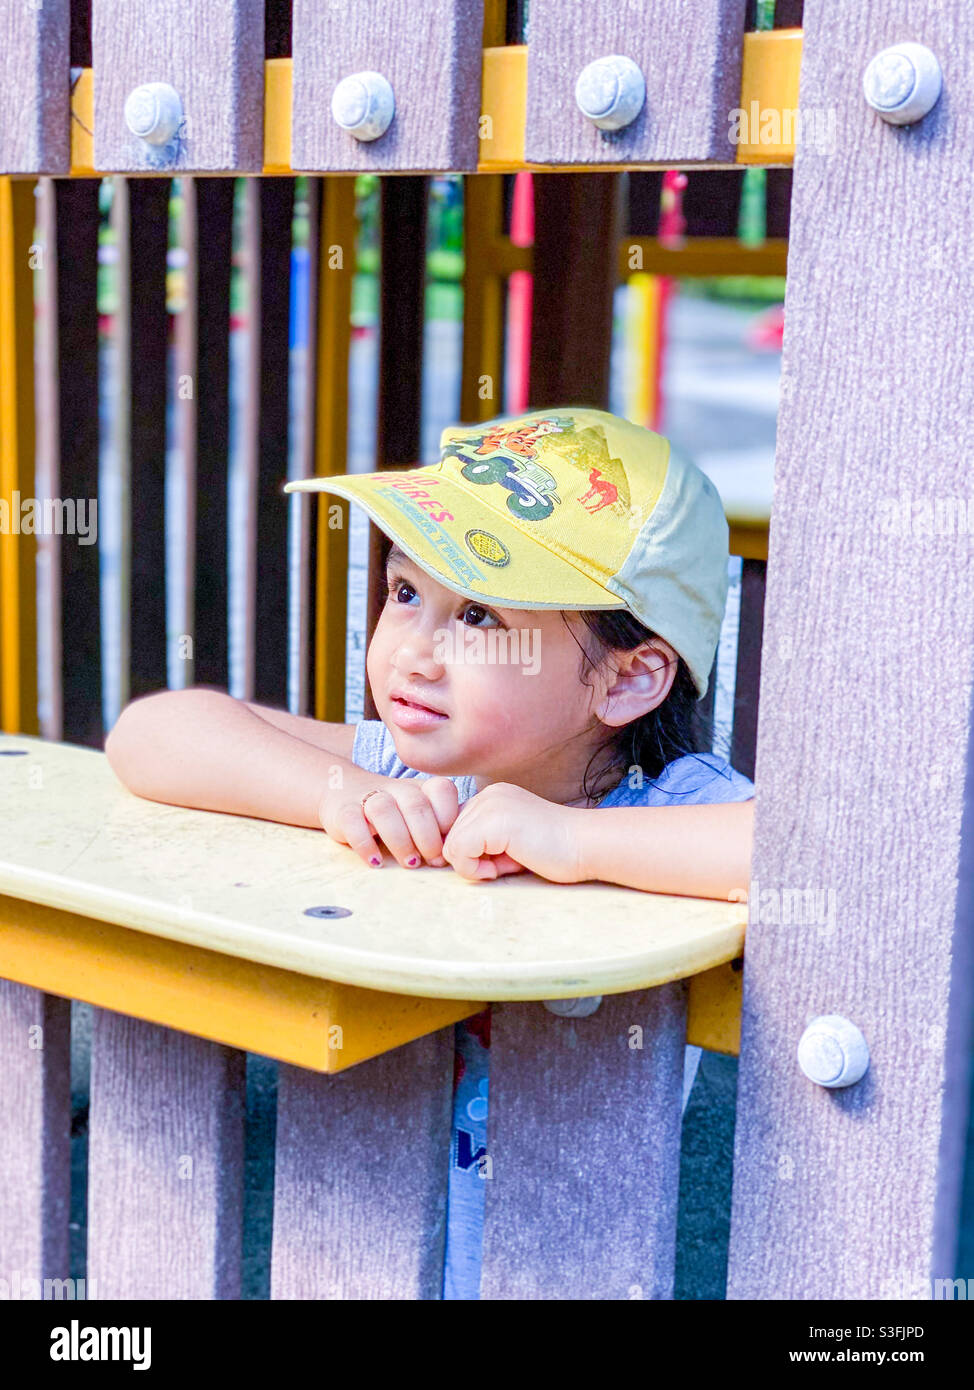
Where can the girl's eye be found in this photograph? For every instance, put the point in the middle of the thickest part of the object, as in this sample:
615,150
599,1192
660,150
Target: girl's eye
479,612
396,586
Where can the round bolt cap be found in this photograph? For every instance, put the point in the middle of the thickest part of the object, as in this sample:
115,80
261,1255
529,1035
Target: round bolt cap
364,105
154,112
611,91
832,1051
902,83
574,1008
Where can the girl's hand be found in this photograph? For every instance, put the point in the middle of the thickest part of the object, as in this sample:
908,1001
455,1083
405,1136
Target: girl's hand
505,830
410,815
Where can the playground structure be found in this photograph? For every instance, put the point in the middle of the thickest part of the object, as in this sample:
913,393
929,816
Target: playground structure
199,938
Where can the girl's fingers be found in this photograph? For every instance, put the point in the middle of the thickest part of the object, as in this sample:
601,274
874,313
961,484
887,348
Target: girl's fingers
442,794
358,833
408,833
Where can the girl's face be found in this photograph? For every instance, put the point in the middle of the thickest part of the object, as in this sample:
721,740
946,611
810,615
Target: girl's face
503,684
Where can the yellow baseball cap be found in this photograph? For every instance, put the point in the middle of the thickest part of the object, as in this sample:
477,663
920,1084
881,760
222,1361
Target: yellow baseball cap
568,507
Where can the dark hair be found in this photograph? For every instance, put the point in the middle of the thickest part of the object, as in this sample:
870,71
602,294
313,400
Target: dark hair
674,728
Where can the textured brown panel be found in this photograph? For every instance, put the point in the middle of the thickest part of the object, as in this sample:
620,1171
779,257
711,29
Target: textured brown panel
690,55
35,1119
777,197
165,1162
864,777
645,191
432,57
34,90
402,304
583,1137
214,57
74,286
360,1181
576,230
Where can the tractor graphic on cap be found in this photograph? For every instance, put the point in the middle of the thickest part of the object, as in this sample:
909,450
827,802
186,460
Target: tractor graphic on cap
507,455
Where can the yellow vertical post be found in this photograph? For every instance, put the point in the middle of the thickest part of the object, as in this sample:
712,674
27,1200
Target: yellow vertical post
642,348
18,549
336,267
481,386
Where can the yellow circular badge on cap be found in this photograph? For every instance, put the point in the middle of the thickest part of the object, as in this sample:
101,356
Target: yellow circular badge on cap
488,547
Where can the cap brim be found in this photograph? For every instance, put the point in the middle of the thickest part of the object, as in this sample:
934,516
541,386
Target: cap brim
521,573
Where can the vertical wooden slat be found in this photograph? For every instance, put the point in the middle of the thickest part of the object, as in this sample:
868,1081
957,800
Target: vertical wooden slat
73,393
583,1142
690,57
712,202
644,191
576,222
140,216
360,1181
749,637
403,277
332,253
777,196
270,343
212,55
35,1121
433,65
165,1162
482,379
34,93
18,549
202,349
864,738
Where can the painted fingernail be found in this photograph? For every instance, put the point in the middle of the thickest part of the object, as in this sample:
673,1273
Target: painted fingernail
375,860
412,861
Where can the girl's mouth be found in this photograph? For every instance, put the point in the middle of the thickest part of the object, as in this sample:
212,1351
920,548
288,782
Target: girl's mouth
414,716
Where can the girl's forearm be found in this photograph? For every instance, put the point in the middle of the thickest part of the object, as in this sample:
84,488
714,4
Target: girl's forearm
696,851
205,749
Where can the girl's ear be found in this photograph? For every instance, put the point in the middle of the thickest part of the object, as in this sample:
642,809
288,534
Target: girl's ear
643,680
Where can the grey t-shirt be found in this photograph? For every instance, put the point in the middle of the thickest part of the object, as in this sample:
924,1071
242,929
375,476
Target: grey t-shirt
695,779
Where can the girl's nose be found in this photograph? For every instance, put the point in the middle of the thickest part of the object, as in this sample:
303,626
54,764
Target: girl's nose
418,652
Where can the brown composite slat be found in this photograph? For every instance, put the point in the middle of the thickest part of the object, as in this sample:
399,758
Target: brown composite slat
360,1178
270,342
401,317
777,195
213,55
431,56
691,67
34,92
576,222
73,283
644,191
202,421
712,202
864,740
165,1162
140,215
35,1120
583,1137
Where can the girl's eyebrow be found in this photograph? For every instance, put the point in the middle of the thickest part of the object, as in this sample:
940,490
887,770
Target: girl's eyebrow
397,557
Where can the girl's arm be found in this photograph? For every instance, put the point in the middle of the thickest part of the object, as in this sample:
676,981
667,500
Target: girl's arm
205,749
697,851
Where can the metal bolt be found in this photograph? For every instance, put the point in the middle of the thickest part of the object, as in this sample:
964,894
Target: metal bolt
574,1008
833,1052
327,911
364,105
611,91
902,83
154,112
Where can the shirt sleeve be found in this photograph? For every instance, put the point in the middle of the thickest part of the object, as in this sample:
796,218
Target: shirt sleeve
700,779
373,748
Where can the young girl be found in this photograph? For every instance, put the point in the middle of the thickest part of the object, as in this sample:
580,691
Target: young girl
555,591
